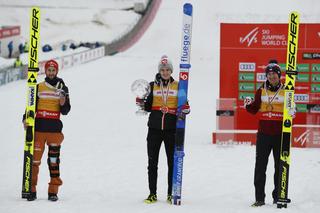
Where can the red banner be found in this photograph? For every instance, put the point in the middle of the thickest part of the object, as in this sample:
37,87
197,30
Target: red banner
9,32
302,136
245,50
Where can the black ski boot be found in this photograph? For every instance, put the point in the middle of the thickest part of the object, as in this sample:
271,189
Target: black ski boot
52,197
32,196
152,198
258,204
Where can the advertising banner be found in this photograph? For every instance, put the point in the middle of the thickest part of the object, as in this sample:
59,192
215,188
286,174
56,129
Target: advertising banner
245,50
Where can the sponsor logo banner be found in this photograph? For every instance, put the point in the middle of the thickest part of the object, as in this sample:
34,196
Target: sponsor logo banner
303,67
314,108
301,137
315,88
300,67
302,77
302,88
315,78
246,86
243,95
254,35
306,136
301,107
246,76
311,55
261,77
9,32
247,67
301,98
315,67
282,67
314,98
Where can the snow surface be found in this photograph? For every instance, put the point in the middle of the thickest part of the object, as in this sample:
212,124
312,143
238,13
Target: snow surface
104,159
61,20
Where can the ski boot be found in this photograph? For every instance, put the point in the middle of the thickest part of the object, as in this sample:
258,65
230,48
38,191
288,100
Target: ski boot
52,197
32,196
152,198
258,204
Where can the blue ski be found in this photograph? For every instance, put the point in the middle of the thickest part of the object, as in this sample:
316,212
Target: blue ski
182,100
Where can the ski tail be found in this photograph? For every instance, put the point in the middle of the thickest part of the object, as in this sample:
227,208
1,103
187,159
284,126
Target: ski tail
291,72
182,99
31,100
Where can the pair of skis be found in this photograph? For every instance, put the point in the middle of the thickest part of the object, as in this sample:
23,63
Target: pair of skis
182,100
33,69
291,72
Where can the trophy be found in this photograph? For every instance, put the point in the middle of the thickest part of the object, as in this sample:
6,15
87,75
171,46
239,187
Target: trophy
141,89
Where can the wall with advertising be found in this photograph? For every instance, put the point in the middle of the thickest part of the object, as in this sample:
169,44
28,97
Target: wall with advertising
13,74
7,35
245,50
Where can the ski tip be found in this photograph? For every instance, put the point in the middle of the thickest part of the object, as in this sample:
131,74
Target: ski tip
187,9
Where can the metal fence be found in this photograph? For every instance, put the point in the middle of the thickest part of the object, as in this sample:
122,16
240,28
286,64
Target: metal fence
10,74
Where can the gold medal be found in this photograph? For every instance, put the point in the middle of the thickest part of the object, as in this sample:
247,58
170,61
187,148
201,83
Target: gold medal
269,107
164,109
271,99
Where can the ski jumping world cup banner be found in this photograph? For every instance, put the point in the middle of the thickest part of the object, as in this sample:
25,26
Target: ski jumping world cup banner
246,49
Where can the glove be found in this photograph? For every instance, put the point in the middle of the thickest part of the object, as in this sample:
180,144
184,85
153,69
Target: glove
25,125
185,109
140,102
293,110
247,101
62,89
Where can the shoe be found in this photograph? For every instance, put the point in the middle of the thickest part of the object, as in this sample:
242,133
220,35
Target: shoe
274,201
258,204
169,199
152,198
32,196
53,197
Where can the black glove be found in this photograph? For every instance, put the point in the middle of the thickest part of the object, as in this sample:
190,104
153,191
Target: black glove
140,102
61,87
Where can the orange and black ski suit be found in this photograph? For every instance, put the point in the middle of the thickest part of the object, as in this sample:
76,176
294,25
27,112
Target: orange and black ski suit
48,130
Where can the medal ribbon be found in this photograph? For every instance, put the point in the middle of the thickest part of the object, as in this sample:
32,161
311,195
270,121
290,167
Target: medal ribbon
270,101
165,96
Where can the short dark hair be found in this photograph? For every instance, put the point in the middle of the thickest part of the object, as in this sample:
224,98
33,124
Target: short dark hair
273,61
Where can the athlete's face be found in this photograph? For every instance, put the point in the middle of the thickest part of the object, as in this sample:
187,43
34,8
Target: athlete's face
273,78
165,73
51,72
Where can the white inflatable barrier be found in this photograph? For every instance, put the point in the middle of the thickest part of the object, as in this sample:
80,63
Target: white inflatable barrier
13,74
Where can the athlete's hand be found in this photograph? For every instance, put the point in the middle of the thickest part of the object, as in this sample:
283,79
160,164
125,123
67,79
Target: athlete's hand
25,125
62,100
185,109
292,111
140,102
247,101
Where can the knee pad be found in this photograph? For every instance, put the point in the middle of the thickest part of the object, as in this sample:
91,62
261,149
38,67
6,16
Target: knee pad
54,161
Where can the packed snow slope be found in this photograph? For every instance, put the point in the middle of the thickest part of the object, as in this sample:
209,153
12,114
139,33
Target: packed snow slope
104,160
72,20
